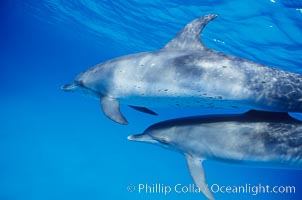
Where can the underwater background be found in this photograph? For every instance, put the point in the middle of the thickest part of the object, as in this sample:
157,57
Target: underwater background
56,145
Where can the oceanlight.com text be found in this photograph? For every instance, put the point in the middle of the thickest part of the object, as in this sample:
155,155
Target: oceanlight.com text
163,189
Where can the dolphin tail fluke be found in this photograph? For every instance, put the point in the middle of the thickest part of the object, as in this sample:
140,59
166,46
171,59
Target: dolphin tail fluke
198,175
111,108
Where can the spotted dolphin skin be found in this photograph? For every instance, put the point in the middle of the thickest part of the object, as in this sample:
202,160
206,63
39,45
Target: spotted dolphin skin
187,73
256,137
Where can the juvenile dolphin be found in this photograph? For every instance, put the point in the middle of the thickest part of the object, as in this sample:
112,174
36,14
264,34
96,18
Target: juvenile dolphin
256,137
187,73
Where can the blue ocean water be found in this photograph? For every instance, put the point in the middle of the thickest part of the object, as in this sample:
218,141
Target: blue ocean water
55,145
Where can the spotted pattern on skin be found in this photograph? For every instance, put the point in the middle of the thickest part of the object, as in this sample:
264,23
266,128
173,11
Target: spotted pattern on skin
186,73
251,141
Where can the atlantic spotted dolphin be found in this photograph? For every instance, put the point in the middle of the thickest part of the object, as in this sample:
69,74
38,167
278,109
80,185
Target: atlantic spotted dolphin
187,73
256,138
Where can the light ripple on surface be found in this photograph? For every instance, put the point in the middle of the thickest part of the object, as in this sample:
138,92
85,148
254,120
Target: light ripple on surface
268,32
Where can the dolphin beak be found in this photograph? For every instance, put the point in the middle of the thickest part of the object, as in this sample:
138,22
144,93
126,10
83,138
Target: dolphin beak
142,138
69,87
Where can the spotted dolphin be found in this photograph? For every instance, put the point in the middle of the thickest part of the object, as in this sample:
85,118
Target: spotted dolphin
254,138
187,73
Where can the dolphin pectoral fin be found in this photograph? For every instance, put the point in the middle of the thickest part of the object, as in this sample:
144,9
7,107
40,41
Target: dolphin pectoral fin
111,108
144,110
198,175
189,36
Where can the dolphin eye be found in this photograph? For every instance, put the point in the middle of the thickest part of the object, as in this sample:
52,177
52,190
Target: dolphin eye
80,82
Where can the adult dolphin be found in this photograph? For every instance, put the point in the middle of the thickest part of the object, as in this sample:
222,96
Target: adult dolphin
186,73
256,137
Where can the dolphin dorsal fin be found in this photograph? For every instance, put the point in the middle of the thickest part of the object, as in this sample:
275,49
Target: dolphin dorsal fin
189,36
198,175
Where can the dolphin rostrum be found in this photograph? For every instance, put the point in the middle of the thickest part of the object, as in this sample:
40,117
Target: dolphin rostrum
187,73
257,137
